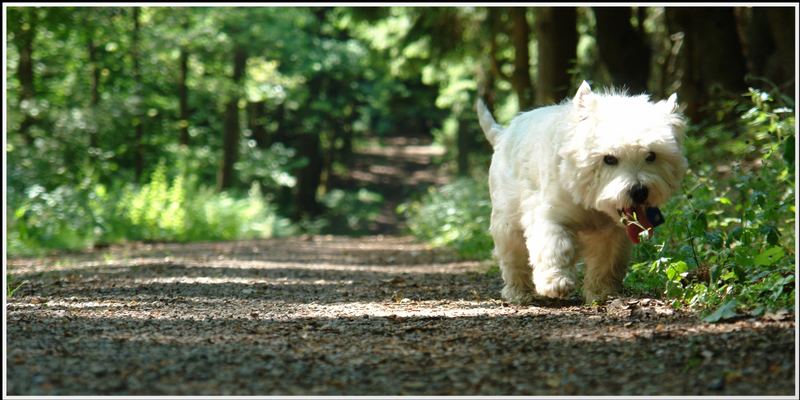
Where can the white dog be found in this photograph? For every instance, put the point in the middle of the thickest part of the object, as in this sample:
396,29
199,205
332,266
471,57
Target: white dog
582,178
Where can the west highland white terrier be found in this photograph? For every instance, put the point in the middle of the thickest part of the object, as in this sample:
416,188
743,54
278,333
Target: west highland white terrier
582,178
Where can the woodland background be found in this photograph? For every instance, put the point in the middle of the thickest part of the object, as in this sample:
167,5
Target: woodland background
215,123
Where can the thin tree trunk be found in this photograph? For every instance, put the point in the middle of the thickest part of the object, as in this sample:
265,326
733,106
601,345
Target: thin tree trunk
183,96
332,132
346,152
332,152
94,88
231,131
557,38
139,116
757,43
521,77
256,116
782,68
489,76
309,176
462,148
711,57
623,49
25,71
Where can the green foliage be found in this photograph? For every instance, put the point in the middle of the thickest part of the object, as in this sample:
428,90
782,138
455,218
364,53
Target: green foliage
728,241
454,215
84,173
57,218
349,211
162,209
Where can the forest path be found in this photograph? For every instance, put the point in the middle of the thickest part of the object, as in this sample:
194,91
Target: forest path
377,315
396,168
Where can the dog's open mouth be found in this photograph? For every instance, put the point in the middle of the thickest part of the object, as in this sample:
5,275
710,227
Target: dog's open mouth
640,219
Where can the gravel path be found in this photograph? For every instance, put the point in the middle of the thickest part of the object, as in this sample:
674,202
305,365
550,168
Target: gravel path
376,315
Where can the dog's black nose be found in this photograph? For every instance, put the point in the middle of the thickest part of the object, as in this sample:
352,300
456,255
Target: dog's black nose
639,193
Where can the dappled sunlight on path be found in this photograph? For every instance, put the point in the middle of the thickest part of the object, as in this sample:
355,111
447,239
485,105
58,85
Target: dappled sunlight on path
376,315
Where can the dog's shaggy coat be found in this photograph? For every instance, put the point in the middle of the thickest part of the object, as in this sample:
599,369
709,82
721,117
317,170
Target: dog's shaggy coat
562,176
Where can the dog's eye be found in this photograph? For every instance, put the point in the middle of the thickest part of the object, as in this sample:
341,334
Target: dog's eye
610,160
650,157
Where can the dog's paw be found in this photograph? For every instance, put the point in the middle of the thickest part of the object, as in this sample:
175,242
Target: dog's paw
590,297
599,295
518,294
554,284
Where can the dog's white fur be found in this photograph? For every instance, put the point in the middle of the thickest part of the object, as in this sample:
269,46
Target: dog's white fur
554,199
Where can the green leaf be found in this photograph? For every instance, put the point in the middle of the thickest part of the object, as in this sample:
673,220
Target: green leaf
758,311
769,257
675,270
715,239
726,311
788,150
773,235
699,224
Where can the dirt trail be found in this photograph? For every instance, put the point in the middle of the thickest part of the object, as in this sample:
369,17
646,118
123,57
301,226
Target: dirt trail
396,168
365,316
376,315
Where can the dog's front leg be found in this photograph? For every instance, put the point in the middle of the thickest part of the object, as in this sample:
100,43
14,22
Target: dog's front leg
552,254
606,253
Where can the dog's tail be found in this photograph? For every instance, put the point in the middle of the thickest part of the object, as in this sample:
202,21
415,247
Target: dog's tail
490,128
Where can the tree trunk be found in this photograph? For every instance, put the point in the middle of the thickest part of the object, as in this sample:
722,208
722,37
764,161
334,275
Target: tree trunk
623,49
489,76
256,120
711,58
231,131
557,39
94,88
758,44
25,72
309,176
782,67
332,152
521,77
94,85
462,147
138,119
183,96
346,152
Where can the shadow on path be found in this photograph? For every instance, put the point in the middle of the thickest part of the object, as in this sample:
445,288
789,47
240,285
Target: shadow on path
354,316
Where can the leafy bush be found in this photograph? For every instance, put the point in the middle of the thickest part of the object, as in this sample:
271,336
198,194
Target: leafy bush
350,211
160,210
728,242
454,215
52,219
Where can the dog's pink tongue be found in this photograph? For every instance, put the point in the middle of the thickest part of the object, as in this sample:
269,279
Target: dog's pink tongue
633,230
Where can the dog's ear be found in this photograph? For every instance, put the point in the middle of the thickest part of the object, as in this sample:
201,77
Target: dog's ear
584,98
672,103
674,117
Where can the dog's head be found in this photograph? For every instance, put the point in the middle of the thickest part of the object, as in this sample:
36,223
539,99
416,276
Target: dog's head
623,153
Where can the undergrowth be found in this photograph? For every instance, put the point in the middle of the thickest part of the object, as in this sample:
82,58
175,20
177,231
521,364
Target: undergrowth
163,209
